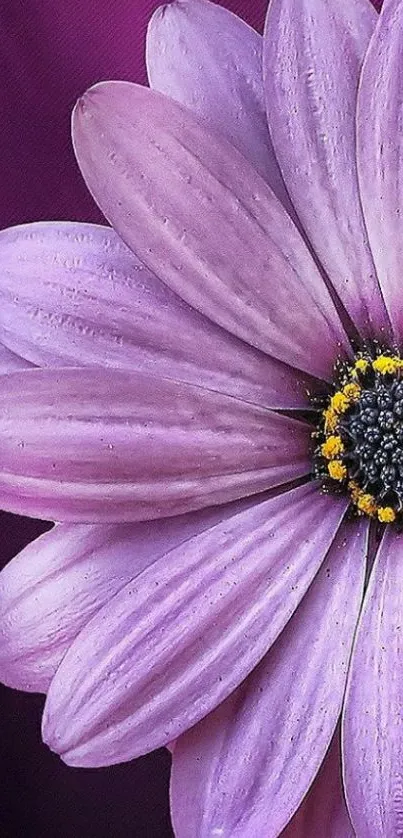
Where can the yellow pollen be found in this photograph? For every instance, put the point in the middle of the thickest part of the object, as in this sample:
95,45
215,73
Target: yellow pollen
385,364
366,503
386,514
331,420
332,447
339,402
354,490
361,365
337,470
352,391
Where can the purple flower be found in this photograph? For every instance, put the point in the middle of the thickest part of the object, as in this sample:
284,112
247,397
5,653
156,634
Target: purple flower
205,589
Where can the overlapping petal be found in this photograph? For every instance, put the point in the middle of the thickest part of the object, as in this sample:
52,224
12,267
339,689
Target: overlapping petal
313,54
99,445
323,813
178,640
200,216
245,769
49,592
74,294
208,59
9,361
373,715
380,155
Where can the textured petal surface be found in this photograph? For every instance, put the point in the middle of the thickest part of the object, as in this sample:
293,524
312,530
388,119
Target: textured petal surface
49,592
200,216
211,61
74,294
172,645
97,445
53,587
373,716
323,813
380,155
9,361
245,769
313,54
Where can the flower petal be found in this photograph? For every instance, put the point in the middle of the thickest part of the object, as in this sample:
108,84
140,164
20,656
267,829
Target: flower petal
74,294
199,215
208,59
372,725
323,813
172,645
245,769
380,155
95,445
313,54
52,588
49,592
9,361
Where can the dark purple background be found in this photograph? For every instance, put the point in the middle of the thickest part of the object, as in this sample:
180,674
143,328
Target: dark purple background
51,52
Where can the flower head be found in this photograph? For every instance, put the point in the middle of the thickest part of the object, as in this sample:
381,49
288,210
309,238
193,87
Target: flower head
232,373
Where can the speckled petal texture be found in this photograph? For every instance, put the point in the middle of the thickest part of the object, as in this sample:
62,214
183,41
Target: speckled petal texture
245,769
99,445
50,591
313,55
198,214
380,155
373,721
211,61
323,811
74,294
171,646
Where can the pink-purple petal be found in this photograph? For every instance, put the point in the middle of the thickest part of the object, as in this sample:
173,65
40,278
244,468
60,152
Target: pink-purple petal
177,641
74,295
9,361
99,445
201,217
206,58
323,813
49,592
373,720
244,770
380,155
313,54
52,588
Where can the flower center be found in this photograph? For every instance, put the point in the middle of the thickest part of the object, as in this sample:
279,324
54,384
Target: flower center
359,441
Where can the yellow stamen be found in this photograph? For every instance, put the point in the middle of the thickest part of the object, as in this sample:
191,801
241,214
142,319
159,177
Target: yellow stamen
339,402
352,391
386,364
386,514
337,470
366,503
331,420
354,490
361,365
332,447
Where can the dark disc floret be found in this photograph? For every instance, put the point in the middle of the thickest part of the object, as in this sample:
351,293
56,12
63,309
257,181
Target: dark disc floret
359,442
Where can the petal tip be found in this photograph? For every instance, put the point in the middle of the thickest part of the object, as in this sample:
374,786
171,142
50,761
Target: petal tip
166,10
86,101
81,107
